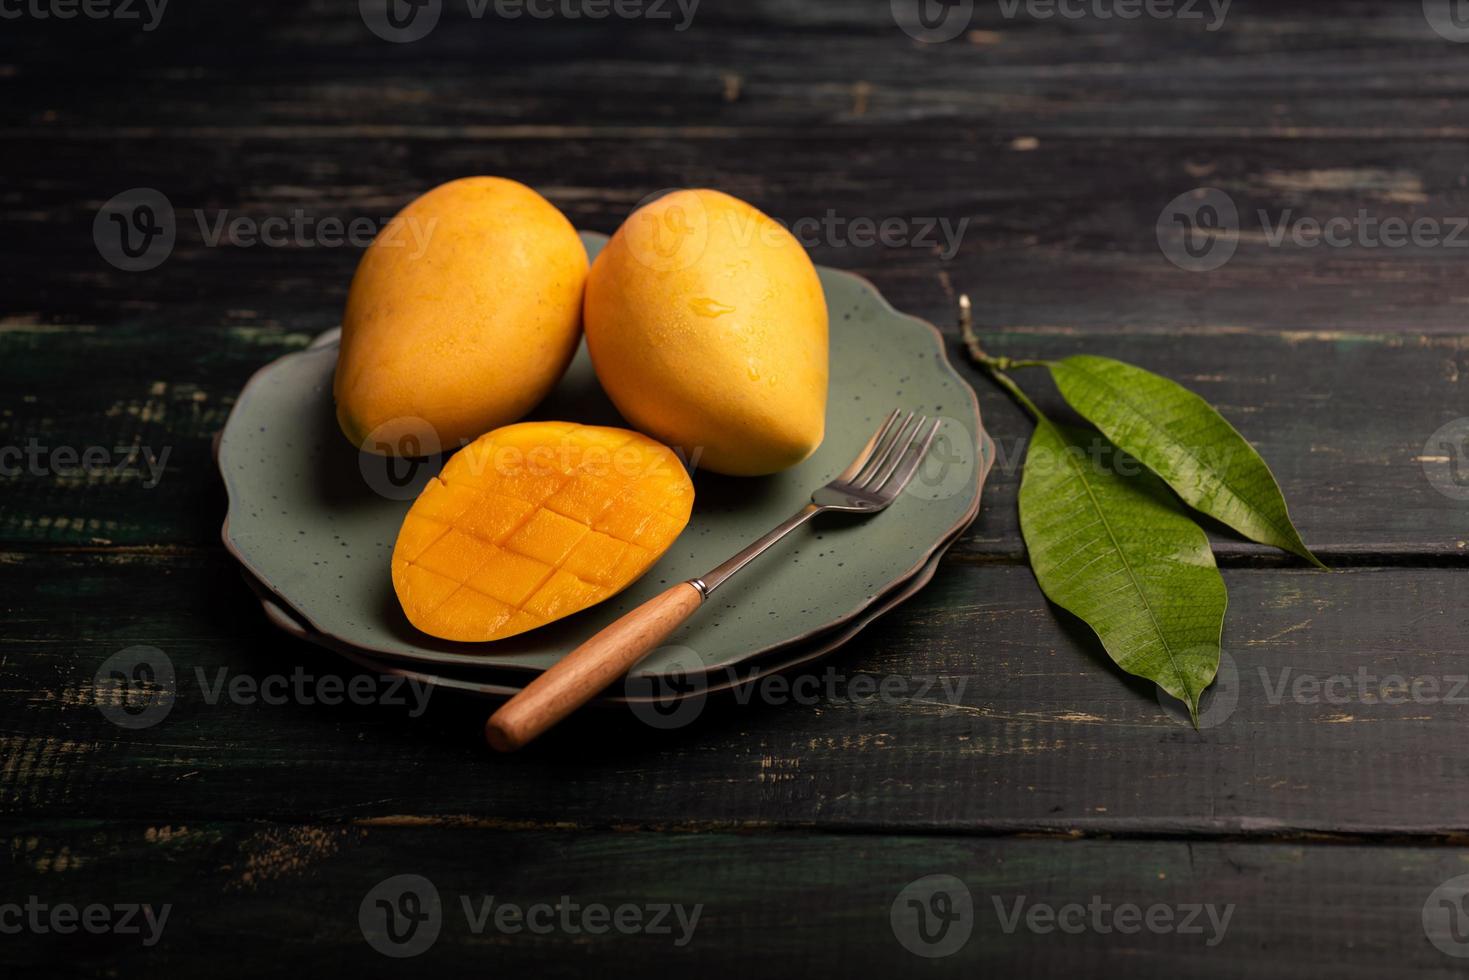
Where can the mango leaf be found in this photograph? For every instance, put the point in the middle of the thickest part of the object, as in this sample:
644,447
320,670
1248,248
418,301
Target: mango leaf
1179,436
1109,543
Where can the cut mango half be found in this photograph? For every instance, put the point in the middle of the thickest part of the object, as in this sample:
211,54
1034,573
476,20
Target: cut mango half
533,522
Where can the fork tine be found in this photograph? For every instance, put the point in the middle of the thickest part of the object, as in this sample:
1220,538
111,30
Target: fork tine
885,451
891,461
893,484
866,453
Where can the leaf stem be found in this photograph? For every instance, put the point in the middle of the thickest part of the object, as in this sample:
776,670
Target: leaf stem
996,367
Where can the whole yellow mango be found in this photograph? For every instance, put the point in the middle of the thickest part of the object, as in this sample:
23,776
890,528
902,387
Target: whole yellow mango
463,314
708,329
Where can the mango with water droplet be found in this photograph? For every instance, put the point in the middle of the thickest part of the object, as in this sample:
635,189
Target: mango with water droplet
533,522
707,325
463,314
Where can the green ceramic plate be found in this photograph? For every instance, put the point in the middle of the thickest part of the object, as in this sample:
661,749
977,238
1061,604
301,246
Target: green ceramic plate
315,522
499,684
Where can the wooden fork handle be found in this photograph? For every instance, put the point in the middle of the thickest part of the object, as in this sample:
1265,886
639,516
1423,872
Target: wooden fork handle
579,675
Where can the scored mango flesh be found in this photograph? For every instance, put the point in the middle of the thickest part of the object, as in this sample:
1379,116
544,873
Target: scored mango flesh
533,522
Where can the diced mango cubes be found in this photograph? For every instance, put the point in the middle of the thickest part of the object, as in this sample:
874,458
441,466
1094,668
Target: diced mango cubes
534,522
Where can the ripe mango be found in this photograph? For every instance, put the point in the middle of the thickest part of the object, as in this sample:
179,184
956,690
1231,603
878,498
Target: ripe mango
708,329
533,522
463,314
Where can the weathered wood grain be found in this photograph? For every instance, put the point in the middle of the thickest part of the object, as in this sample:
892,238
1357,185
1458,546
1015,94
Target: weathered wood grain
1344,420
999,717
1058,143
287,897
1062,235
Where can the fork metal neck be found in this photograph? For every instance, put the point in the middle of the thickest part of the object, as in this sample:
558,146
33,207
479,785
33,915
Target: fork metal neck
713,579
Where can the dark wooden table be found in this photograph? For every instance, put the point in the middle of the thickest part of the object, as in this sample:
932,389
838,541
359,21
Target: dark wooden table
1326,811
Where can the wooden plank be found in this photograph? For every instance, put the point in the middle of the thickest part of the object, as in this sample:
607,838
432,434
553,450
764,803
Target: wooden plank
998,717
1344,420
1061,235
816,904
1365,70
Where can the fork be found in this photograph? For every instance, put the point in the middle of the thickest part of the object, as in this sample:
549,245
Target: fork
879,473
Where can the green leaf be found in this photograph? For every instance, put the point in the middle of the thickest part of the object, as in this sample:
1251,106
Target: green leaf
1179,436
1109,543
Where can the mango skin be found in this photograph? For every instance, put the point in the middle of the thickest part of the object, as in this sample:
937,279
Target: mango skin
462,316
707,325
534,522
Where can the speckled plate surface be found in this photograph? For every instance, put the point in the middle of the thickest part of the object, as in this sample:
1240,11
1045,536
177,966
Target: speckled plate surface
315,523
503,683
